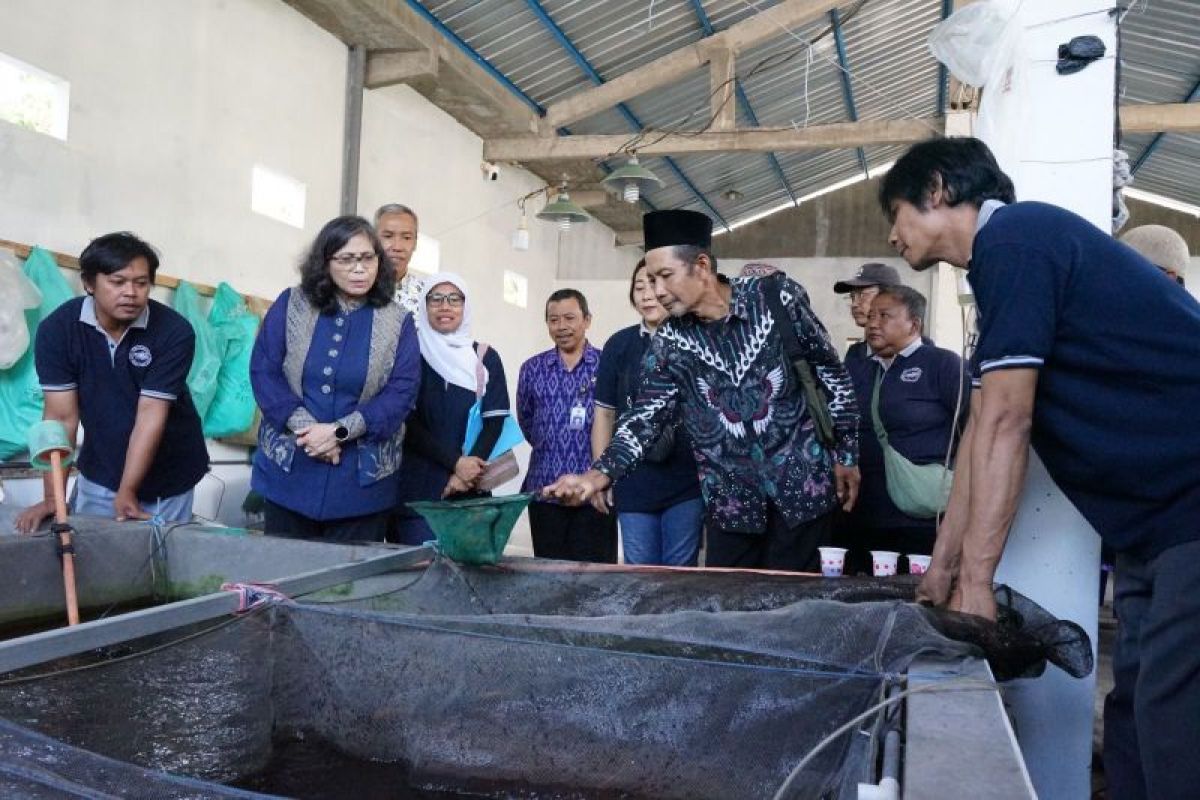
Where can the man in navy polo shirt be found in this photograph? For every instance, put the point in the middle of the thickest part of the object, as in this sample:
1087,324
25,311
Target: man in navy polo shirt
1091,354
117,362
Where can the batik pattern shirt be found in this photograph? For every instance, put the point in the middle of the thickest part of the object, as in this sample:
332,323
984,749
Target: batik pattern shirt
744,409
555,408
408,293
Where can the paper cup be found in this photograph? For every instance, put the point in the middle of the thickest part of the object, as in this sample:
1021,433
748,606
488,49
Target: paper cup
833,559
917,564
883,562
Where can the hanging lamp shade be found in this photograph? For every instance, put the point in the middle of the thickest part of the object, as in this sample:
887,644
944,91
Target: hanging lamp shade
563,212
631,180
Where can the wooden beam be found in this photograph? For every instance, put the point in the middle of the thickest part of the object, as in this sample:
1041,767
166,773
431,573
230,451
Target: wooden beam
388,68
721,76
65,261
774,22
589,198
1161,118
626,238
752,140
464,88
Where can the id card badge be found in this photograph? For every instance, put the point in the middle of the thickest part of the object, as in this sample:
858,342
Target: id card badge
578,417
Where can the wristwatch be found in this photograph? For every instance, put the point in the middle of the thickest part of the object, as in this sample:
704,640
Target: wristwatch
341,433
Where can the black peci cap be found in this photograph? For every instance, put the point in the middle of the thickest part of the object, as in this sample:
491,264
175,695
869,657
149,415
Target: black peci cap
676,227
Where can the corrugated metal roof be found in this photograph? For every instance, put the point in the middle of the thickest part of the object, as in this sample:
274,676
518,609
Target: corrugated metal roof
892,75
1160,63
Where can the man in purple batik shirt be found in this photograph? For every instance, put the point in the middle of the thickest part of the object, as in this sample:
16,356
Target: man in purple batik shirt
554,408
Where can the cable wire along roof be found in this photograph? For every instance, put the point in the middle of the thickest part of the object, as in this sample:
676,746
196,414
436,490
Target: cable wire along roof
864,60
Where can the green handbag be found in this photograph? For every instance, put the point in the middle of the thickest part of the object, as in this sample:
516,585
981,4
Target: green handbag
919,490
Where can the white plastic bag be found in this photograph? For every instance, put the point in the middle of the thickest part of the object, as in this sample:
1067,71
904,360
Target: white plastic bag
968,41
17,293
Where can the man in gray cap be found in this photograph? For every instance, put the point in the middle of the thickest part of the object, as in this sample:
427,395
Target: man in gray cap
773,467
862,289
1162,247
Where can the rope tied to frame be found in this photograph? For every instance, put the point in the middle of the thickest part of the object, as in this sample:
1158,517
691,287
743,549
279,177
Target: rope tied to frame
63,548
252,596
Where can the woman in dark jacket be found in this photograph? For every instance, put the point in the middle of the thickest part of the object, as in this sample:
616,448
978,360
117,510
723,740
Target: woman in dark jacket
454,370
334,370
658,504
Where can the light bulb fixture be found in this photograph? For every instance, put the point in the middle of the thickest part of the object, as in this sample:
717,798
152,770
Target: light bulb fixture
562,211
520,237
732,195
630,180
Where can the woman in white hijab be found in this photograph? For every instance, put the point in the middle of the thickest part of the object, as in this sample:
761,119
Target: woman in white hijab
452,376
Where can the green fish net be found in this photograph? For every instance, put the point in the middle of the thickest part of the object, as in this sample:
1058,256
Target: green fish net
473,531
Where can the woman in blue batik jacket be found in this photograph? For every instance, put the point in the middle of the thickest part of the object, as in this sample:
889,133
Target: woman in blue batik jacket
335,370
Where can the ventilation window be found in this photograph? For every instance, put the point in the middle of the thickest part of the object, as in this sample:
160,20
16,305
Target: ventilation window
33,99
277,196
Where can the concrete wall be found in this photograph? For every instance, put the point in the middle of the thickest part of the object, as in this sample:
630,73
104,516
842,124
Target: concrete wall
846,223
172,104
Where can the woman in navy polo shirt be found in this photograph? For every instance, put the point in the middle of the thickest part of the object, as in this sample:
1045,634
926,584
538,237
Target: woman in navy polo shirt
922,390
334,370
658,504
435,465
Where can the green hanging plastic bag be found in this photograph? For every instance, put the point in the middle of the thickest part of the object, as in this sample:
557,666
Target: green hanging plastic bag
206,363
232,409
20,391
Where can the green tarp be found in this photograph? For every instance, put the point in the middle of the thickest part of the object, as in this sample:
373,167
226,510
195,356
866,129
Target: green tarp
206,363
20,392
232,409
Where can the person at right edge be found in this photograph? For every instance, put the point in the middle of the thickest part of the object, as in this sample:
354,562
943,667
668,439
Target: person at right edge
1090,354
770,485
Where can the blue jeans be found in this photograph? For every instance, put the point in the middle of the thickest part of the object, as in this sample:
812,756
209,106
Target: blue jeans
96,500
670,537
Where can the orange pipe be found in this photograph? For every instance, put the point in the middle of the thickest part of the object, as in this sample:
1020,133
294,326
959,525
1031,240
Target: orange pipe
58,480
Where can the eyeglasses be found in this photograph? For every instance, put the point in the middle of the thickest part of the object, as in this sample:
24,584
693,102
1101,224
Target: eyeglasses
454,300
861,295
348,260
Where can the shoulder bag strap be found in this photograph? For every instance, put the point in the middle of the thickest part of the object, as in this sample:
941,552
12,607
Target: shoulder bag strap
818,409
480,381
880,431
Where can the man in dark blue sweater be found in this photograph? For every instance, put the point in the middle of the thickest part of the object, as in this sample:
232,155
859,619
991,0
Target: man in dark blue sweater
1091,354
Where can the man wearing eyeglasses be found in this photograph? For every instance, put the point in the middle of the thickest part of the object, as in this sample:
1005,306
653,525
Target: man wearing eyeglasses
862,289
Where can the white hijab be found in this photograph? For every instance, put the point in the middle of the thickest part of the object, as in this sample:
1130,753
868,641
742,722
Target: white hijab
450,354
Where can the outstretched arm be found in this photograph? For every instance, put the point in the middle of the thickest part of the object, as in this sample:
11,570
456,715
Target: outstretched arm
999,458
938,583
147,433
62,406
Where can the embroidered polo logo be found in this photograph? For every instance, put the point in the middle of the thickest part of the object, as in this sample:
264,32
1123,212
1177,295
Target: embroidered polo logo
911,375
139,355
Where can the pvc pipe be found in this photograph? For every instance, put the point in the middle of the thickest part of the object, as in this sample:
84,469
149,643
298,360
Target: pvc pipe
58,481
888,787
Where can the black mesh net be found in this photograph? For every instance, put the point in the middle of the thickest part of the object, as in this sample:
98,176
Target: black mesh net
542,680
